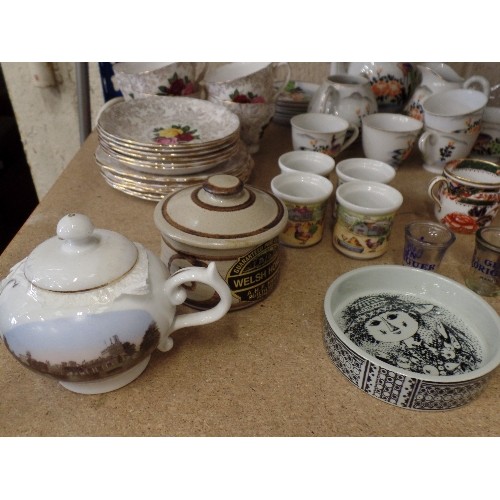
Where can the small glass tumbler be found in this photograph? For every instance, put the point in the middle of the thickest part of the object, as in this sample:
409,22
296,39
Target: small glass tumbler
484,275
425,244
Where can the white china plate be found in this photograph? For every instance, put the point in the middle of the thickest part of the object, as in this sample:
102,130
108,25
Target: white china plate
233,164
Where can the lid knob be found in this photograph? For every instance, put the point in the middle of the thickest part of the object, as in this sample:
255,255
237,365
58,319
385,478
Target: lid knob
76,231
74,227
223,185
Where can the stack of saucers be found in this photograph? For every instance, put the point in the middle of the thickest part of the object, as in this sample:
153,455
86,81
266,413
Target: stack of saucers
293,100
150,147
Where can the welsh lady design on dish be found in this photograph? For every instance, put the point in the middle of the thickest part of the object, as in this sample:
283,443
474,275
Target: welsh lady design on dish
419,337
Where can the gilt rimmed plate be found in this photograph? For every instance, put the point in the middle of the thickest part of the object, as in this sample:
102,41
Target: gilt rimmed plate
231,166
168,122
411,338
168,153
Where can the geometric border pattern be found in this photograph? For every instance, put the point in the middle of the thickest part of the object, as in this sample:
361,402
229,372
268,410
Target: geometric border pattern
395,388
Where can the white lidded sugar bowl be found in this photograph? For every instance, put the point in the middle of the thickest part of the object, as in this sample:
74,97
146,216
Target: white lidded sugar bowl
88,307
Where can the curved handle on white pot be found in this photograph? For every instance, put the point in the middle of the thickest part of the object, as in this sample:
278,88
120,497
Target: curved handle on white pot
437,181
176,294
283,83
107,105
483,83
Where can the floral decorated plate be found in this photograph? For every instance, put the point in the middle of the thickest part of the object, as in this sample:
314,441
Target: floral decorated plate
168,121
411,338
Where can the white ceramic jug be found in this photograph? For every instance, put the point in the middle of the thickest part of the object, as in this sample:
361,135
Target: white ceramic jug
392,82
347,96
436,78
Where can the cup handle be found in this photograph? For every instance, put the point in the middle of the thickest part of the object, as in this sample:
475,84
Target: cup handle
431,191
424,141
176,294
352,138
276,66
484,84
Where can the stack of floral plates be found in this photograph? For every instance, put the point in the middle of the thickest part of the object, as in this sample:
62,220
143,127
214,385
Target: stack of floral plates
152,146
151,186
293,100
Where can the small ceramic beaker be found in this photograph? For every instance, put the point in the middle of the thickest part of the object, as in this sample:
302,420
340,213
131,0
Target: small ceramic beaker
309,162
425,244
466,195
322,132
389,137
365,214
484,275
306,198
364,169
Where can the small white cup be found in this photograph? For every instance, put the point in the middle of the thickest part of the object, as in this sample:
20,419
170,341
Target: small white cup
322,133
364,169
310,162
389,137
457,110
305,197
439,148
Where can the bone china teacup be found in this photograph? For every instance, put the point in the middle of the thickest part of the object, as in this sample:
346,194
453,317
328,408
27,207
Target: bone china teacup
246,82
322,132
439,148
137,79
455,110
467,195
389,137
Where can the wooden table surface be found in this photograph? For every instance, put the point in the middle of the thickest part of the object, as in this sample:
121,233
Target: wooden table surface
260,371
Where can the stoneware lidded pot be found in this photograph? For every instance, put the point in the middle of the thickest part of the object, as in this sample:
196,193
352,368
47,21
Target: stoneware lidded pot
236,226
88,307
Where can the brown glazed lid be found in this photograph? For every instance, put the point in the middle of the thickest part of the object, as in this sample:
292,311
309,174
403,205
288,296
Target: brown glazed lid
221,213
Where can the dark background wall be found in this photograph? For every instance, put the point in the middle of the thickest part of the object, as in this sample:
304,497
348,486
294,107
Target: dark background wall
18,196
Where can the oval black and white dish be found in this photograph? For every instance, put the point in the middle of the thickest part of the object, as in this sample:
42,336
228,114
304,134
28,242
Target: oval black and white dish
411,338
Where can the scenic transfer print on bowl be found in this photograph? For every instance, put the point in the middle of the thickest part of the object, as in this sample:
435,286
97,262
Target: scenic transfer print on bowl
409,337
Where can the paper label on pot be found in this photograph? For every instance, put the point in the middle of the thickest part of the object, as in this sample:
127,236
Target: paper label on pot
254,275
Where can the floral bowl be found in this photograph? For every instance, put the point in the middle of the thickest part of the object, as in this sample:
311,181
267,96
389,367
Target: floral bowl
158,78
411,338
